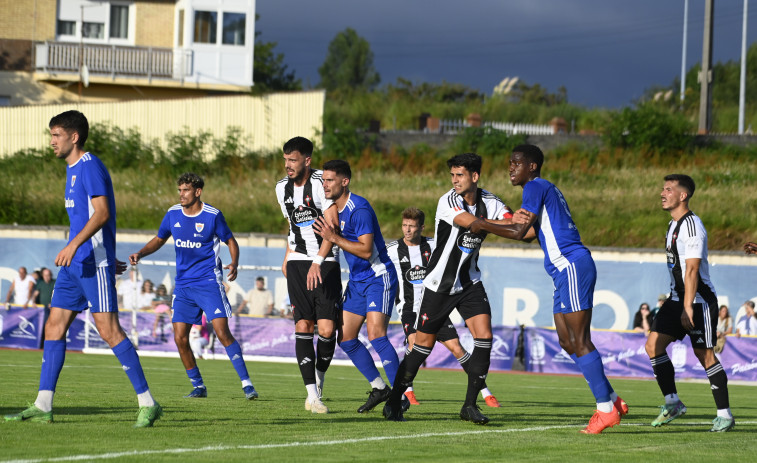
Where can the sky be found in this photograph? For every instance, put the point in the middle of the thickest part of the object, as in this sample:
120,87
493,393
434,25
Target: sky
605,52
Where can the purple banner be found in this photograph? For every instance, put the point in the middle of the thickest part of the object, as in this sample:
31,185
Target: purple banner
623,354
21,328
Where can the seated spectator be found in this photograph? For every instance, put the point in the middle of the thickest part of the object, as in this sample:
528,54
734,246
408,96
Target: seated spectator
162,308
660,300
642,319
128,290
725,327
146,295
260,300
21,290
747,325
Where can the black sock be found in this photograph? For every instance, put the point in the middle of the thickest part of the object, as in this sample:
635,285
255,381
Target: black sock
478,368
325,353
406,372
303,348
464,362
665,374
719,385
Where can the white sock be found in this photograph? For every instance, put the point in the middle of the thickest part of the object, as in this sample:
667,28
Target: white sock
671,399
410,389
44,401
723,413
485,392
378,383
613,397
312,391
605,407
145,399
246,382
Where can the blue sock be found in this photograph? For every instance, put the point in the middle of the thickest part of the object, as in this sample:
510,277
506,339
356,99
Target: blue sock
361,358
127,355
53,356
594,372
235,355
195,377
388,357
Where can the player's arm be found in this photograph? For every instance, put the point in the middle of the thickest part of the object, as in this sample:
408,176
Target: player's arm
286,258
520,229
362,248
153,245
690,282
314,274
99,217
234,252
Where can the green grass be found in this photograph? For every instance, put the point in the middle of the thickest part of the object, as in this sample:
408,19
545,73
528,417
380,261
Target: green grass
95,408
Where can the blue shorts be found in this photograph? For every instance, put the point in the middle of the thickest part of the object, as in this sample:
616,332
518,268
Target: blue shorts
81,287
574,286
189,303
373,295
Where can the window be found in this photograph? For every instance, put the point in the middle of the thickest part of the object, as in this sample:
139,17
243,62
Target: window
119,21
206,23
181,28
66,27
5,100
233,28
93,30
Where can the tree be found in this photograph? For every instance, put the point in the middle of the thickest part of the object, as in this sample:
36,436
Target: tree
269,71
349,63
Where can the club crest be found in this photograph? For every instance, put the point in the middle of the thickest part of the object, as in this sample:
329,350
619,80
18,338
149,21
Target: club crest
199,227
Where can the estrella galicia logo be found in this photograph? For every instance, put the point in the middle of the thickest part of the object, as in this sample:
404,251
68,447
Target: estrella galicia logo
469,242
415,275
303,216
671,258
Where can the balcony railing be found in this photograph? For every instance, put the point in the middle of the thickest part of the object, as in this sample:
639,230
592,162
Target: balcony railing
114,60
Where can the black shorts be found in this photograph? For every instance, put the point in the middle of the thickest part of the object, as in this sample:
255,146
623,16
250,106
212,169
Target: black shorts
322,303
446,333
436,307
703,336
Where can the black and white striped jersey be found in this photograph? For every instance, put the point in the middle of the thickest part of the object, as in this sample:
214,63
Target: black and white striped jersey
687,239
454,262
302,206
411,263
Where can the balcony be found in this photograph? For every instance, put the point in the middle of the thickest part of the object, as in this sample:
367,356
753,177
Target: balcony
151,64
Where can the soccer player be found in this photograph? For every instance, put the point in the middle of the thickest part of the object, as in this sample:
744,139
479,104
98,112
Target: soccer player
311,267
372,286
87,278
410,256
692,307
198,230
573,273
453,280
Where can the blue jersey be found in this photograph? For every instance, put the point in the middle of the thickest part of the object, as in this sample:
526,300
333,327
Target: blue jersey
558,235
85,179
197,240
357,219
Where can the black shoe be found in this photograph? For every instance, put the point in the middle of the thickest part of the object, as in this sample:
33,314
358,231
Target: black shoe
391,414
375,397
473,413
405,403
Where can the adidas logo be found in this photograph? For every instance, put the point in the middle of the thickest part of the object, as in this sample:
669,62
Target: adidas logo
236,357
700,340
386,362
713,387
404,259
217,311
177,225
372,304
326,359
125,368
289,201
306,360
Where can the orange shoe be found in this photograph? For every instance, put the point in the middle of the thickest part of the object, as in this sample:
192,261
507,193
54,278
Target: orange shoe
491,401
621,406
601,421
411,397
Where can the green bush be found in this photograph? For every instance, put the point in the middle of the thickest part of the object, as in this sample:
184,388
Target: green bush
649,128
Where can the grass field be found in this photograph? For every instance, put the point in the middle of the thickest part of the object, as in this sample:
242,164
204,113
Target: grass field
95,409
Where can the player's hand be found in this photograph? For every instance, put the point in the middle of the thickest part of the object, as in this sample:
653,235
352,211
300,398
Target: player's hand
66,255
687,318
750,248
521,216
232,268
134,258
476,225
120,267
314,277
325,229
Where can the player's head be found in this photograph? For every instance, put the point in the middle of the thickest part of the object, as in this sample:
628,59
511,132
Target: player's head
676,191
68,130
336,178
298,154
465,170
190,189
525,164
412,224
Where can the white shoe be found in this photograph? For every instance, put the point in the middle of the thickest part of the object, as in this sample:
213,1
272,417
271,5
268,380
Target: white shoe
315,406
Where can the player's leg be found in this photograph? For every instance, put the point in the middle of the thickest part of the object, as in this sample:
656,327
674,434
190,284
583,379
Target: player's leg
408,317
449,338
234,352
380,295
328,302
181,338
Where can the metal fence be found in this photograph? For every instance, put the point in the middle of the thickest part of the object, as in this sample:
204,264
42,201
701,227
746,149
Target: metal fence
453,126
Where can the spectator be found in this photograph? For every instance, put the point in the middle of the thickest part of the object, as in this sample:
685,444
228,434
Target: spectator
642,319
660,300
43,293
161,306
725,327
260,300
199,337
146,295
128,290
747,324
22,289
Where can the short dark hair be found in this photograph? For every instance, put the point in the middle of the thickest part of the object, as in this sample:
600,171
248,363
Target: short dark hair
470,161
72,121
532,153
301,144
190,178
684,181
339,166
260,279
413,213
